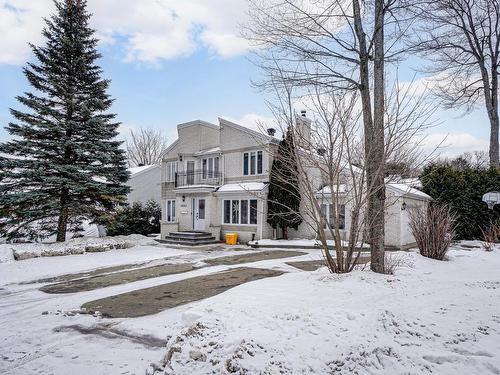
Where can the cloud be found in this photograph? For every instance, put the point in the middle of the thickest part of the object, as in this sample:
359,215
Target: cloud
454,144
22,22
149,31
254,121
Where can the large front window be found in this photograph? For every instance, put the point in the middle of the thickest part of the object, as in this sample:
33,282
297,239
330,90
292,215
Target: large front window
252,163
240,211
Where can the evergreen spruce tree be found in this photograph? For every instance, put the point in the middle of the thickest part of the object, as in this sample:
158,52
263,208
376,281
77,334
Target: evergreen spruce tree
63,164
283,205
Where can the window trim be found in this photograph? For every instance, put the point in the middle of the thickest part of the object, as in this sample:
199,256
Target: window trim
173,204
239,200
252,166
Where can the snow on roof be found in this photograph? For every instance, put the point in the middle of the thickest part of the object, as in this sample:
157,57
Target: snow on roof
244,186
208,151
327,189
135,170
405,190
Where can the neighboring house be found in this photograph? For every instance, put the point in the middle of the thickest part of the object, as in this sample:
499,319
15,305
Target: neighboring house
145,184
215,179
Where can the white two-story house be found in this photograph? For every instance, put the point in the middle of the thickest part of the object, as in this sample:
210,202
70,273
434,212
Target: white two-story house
215,179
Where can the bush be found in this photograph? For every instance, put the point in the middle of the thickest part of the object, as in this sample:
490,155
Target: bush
433,229
460,185
136,219
491,236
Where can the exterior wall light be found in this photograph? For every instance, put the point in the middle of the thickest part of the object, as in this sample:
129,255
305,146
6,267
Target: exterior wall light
403,206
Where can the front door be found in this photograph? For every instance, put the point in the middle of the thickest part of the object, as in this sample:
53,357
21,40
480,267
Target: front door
199,213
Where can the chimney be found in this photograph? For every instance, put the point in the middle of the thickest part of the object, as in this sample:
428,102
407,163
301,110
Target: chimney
303,130
271,131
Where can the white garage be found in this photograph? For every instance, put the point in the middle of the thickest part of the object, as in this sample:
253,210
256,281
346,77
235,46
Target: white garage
401,199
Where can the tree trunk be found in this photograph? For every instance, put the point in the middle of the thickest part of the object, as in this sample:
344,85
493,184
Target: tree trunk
376,201
494,151
285,232
62,224
492,108
374,131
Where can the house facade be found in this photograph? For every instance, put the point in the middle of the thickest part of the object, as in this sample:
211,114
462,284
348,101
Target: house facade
145,182
215,179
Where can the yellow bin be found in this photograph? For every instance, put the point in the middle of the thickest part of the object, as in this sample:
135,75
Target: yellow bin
231,238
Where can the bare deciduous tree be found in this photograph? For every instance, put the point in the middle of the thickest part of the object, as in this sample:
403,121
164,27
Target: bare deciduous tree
335,45
434,230
146,147
331,163
462,40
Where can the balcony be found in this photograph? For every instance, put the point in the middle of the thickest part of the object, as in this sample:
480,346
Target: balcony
197,178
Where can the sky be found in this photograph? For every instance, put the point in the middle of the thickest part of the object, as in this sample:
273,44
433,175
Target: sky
173,61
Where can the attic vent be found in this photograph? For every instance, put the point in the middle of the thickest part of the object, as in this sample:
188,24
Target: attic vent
271,131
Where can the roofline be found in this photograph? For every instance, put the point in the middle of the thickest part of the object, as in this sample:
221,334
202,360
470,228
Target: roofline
144,170
409,193
172,145
197,122
268,138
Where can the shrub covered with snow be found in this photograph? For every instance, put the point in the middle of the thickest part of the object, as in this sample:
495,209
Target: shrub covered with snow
136,218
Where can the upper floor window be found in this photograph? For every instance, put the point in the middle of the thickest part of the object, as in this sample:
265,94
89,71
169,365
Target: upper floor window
210,167
171,169
252,163
329,215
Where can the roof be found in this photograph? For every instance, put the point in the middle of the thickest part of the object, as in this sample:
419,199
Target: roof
251,132
134,171
244,186
197,122
327,189
208,151
401,190
172,145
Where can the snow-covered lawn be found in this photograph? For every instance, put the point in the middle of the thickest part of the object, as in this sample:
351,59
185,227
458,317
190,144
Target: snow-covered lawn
439,317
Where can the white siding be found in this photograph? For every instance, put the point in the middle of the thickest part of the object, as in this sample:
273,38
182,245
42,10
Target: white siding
145,185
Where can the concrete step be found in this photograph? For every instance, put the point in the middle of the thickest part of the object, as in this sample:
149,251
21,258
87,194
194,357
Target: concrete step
192,235
190,242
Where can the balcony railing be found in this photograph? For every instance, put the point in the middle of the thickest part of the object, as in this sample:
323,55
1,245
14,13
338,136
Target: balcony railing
198,177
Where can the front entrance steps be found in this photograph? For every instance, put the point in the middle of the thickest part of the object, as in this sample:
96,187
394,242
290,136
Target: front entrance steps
190,238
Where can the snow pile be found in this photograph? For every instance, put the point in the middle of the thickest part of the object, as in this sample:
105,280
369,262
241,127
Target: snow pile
6,254
431,317
79,245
